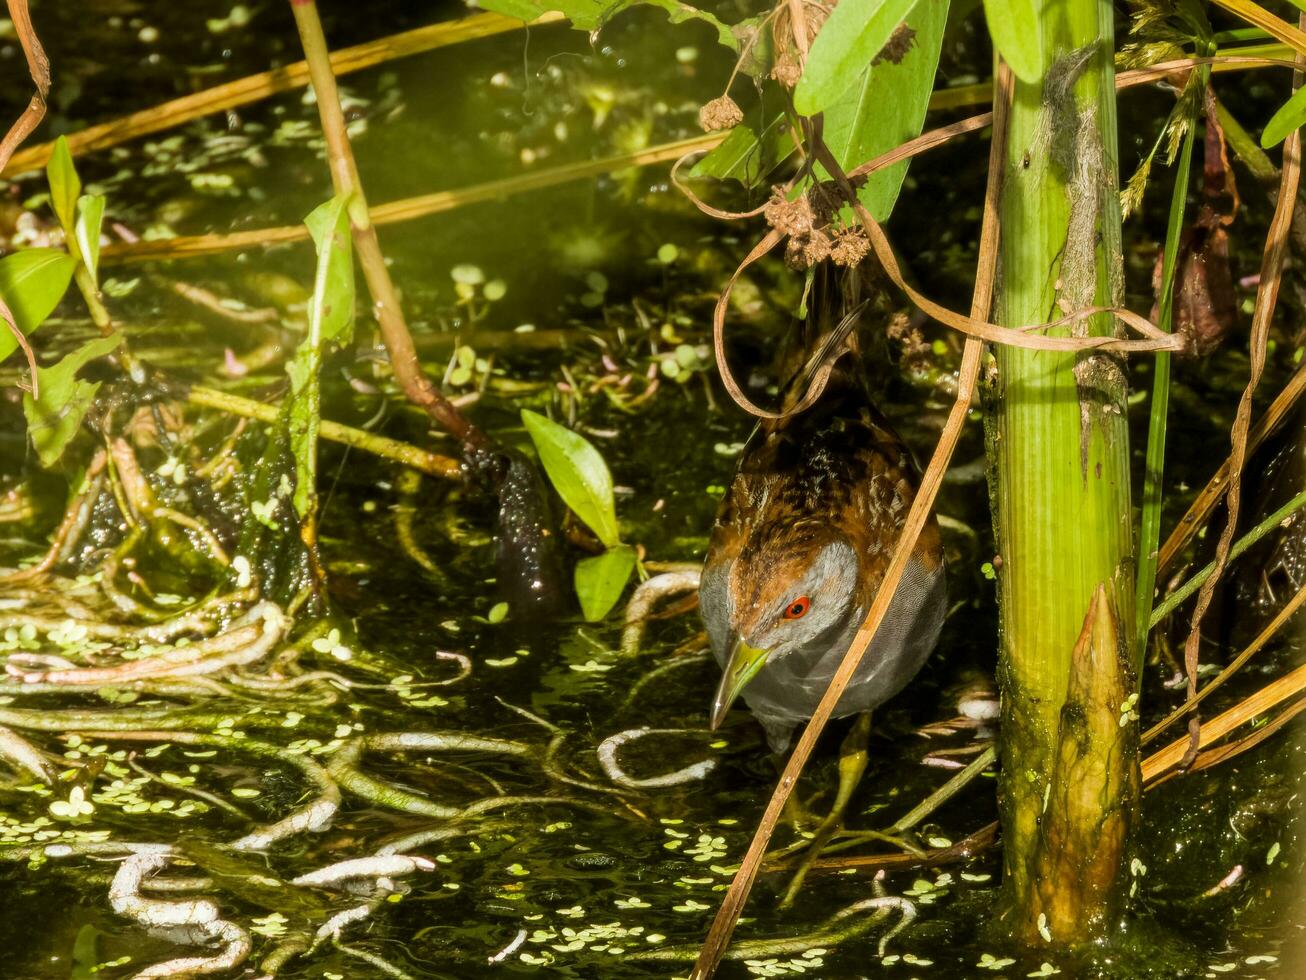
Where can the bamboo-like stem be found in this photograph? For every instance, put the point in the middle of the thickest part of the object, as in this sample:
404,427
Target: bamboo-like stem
1149,534
1059,458
253,88
391,449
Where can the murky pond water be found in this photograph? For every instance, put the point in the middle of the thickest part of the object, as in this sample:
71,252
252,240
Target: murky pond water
536,860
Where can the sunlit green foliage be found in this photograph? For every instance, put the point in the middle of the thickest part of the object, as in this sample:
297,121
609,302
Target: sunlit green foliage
581,477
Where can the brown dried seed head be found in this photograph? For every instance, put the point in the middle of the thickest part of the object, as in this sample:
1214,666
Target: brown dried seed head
817,247
850,247
786,71
805,252
793,218
720,114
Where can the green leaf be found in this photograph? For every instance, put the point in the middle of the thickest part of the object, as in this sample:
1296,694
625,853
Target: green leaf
853,34
1290,115
1014,28
746,157
590,15
90,217
601,579
65,185
885,107
331,312
578,473
330,317
32,282
54,418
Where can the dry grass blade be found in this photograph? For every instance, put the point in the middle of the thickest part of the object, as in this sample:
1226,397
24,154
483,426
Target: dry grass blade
718,938
193,246
1172,756
1211,494
1258,16
1264,637
1267,294
38,65
243,91
1213,757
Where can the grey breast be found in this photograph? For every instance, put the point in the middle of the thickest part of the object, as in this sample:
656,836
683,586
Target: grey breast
786,692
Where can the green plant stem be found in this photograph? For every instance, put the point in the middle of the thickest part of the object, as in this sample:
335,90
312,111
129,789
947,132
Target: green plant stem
1059,458
1149,536
1179,595
945,792
100,316
392,449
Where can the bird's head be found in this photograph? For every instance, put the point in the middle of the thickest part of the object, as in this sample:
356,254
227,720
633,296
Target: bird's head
792,590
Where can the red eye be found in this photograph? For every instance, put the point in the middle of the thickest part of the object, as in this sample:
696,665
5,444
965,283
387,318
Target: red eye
798,608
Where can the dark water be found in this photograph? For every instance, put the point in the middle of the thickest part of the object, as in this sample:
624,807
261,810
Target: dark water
594,878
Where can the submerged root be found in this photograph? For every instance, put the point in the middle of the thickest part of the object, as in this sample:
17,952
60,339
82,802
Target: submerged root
607,753
647,595
194,922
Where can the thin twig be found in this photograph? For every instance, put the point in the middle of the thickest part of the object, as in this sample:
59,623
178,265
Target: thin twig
1262,638
409,208
400,452
1206,501
1267,294
1267,524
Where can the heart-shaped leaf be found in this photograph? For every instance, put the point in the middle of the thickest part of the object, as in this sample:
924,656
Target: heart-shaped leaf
601,579
578,473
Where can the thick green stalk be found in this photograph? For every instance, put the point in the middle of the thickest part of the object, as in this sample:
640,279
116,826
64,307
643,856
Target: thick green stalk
1059,460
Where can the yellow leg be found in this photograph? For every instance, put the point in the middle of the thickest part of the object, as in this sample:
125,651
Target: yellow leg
852,765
